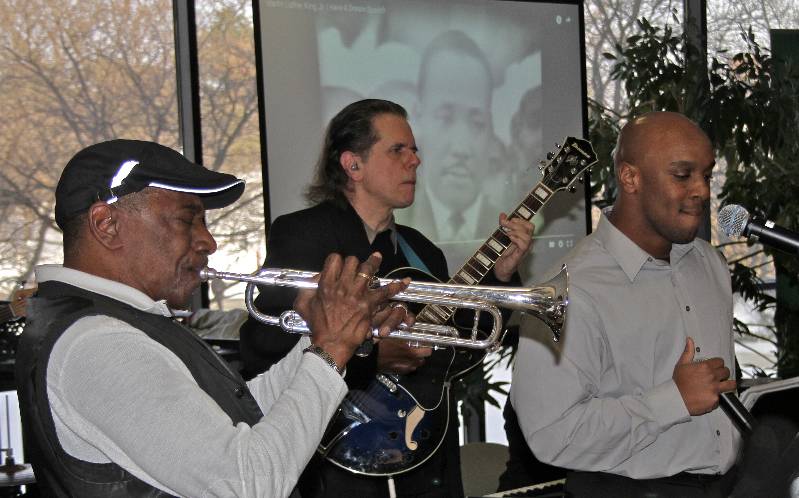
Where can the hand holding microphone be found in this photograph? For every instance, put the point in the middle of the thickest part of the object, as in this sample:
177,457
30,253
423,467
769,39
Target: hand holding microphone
735,221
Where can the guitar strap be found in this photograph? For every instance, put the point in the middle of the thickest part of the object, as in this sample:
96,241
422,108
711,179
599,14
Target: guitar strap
413,259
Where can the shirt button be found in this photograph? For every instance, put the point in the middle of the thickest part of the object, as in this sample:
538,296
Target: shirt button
687,308
718,432
698,349
239,392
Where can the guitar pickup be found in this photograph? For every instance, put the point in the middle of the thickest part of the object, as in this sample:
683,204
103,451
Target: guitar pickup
387,383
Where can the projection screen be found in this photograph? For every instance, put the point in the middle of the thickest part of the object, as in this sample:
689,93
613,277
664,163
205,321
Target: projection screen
490,87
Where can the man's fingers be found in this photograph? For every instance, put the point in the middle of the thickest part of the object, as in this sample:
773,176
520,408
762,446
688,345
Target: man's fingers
396,316
407,366
687,355
727,386
409,319
331,271
421,352
722,373
371,265
520,234
386,292
397,356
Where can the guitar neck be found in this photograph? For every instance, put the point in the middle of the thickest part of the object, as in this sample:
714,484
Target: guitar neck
475,269
559,173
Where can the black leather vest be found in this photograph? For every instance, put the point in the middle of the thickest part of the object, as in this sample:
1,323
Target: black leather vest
56,307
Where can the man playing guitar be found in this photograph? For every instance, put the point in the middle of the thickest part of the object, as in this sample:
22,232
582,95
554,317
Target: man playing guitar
367,169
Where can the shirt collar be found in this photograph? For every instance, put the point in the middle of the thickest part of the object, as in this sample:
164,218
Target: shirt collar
629,256
371,234
103,286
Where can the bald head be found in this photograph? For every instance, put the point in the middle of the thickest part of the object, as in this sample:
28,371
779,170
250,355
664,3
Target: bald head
650,133
664,163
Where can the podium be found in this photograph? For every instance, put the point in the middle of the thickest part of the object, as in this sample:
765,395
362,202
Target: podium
774,397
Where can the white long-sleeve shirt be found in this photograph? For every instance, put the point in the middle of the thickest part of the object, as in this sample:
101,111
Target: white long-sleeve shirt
603,399
119,396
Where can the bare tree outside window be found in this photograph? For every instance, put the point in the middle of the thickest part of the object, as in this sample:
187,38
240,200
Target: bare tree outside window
72,74
76,73
726,20
231,140
608,23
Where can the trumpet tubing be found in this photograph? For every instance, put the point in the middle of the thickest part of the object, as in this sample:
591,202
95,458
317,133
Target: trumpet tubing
547,301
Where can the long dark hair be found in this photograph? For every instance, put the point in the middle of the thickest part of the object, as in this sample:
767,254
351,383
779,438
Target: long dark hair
352,129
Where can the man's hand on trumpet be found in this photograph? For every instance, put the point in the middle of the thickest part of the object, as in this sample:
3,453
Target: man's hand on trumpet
343,309
396,355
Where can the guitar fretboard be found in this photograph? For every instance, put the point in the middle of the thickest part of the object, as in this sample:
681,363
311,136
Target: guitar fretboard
571,161
477,267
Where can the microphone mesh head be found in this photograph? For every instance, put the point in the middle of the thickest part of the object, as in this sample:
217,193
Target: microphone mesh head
732,219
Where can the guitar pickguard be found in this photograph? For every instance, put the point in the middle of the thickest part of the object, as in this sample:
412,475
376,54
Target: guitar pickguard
383,432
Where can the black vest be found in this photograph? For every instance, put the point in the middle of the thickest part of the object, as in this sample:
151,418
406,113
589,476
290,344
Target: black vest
56,307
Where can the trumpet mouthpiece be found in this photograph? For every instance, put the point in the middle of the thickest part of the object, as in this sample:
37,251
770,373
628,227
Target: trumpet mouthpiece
207,274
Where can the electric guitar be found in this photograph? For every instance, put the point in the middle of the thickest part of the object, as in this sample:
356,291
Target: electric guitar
393,425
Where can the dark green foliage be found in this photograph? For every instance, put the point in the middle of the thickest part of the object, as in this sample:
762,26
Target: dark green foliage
603,130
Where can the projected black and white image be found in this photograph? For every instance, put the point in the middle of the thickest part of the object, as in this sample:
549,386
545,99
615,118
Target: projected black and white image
489,86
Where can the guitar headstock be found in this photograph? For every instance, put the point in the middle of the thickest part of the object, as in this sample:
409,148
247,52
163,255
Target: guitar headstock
562,168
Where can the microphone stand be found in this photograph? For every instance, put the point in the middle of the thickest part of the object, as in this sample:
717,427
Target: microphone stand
9,466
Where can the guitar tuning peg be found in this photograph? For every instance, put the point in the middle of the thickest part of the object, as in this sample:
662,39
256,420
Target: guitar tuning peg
572,189
568,148
583,162
557,145
550,156
565,181
580,179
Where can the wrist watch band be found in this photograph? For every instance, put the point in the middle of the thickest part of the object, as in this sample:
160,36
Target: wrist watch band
324,355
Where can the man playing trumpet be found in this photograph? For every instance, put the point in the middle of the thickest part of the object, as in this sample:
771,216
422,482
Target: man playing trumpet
117,398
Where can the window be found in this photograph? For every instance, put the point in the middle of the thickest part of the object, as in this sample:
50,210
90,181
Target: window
726,22
230,137
72,74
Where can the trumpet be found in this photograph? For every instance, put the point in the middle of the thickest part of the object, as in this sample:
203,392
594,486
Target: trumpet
546,301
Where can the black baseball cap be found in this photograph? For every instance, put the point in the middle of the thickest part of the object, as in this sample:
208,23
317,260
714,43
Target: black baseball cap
109,170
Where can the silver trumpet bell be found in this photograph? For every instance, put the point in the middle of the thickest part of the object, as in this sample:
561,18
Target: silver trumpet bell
547,301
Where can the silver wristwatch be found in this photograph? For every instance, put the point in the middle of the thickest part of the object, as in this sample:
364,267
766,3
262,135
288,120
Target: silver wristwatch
325,356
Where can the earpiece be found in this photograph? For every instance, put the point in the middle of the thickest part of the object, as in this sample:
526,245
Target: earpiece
354,167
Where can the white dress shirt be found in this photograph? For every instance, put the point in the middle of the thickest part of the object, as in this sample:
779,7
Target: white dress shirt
603,399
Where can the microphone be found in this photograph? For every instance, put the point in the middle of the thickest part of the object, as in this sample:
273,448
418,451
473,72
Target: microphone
734,220
740,416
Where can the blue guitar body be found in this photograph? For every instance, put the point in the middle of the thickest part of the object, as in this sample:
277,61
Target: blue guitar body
382,430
